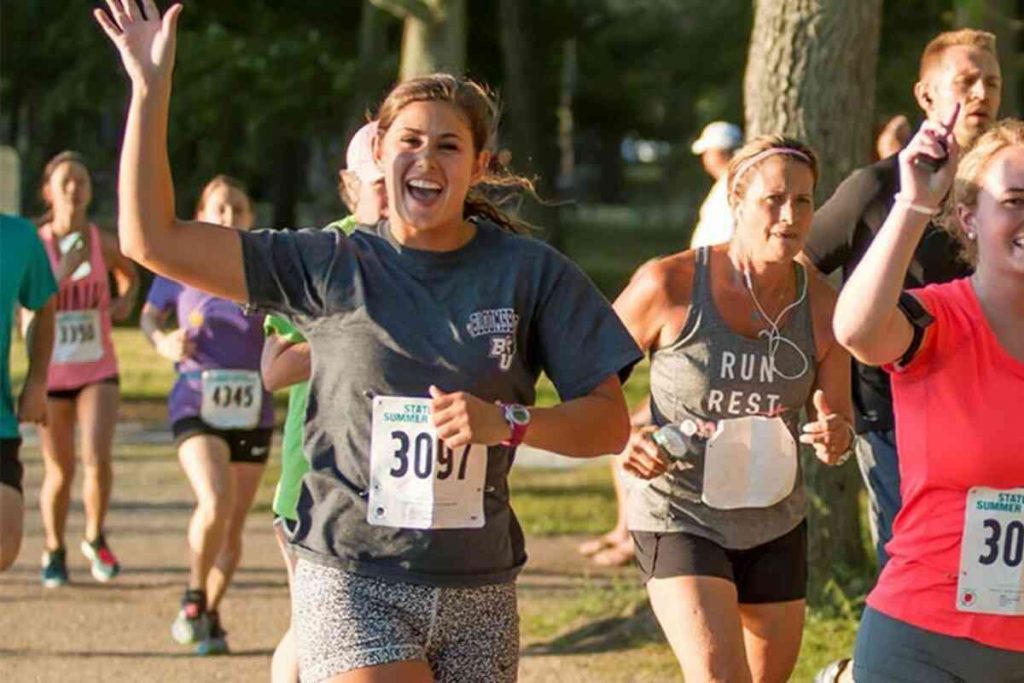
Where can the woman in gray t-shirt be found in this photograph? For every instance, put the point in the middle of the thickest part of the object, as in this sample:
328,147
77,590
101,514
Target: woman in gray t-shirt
428,332
741,341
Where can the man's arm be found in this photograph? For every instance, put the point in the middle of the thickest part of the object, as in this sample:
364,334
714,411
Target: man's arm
829,246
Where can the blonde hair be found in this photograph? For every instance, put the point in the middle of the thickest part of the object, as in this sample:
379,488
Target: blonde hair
933,51
967,184
217,181
480,111
744,160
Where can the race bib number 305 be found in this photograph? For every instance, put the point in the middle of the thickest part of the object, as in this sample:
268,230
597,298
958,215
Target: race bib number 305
416,482
77,337
992,552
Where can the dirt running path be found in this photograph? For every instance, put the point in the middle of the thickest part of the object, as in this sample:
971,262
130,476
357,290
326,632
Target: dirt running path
121,631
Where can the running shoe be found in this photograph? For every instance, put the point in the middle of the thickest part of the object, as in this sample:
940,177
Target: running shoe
216,640
104,565
193,621
55,568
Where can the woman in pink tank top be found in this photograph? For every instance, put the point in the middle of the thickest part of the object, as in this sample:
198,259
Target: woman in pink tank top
83,381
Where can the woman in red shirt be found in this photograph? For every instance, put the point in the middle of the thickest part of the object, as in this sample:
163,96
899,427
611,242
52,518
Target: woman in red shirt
949,605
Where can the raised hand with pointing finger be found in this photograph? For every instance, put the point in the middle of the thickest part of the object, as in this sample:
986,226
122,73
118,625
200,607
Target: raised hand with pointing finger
830,434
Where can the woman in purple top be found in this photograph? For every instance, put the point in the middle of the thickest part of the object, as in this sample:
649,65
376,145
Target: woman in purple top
221,416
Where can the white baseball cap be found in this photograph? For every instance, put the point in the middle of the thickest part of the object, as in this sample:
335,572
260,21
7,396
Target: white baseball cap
718,135
359,155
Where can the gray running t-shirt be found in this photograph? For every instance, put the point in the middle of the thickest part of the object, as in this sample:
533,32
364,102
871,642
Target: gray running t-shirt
712,374
387,320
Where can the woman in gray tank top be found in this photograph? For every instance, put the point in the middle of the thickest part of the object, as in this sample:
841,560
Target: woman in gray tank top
741,341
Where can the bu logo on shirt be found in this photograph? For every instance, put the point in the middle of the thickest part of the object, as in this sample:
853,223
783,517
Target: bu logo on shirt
501,324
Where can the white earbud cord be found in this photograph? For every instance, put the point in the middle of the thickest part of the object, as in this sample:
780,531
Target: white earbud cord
774,335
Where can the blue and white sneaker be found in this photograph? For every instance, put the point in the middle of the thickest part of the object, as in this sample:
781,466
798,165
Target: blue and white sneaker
216,640
193,621
55,568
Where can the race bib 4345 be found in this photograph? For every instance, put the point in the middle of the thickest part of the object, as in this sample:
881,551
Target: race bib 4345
416,482
992,552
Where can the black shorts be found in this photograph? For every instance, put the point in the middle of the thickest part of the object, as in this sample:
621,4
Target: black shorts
72,394
11,469
775,571
245,445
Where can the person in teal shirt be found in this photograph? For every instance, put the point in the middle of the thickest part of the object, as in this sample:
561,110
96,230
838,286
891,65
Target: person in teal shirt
26,280
285,363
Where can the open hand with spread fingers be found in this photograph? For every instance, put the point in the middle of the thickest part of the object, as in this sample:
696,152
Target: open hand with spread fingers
830,434
145,40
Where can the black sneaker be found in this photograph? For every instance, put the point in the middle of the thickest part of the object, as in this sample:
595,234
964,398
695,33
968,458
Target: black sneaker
216,641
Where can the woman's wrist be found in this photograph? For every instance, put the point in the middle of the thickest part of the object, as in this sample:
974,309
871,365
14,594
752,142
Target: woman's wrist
916,205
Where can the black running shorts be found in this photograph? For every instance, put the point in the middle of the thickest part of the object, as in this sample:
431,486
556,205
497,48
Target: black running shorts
775,571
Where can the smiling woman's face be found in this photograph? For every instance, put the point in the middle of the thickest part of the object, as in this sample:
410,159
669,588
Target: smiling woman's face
429,164
773,216
998,218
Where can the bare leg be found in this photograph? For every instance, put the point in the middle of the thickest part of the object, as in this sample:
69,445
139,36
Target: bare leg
701,620
284,667
12,514
97,415
57,440
398,672
245,479
771,636
204,459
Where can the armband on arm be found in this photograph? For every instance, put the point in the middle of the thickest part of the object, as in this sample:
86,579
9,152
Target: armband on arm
919,320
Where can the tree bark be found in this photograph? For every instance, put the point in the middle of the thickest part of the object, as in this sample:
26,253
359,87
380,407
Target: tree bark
811,75
371,60
434,37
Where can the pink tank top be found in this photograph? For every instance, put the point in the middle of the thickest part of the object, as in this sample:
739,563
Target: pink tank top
83,351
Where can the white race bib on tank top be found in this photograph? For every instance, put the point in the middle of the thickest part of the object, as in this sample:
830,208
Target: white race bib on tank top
78,337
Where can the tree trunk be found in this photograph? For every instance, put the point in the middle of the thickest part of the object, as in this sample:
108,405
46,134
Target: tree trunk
371,62
520,122
435,44
811,74
1003,18
434,38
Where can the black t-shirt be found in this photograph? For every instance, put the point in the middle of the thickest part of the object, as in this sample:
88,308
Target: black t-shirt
841,234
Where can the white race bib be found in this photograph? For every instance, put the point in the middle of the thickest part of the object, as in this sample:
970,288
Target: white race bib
750,462
992,553
77,337
416,482
232,399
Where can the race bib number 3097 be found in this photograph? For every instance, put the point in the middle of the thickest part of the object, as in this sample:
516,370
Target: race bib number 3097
992,552
416,482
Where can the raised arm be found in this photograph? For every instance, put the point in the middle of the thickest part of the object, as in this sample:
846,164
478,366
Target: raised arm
206,256
867,320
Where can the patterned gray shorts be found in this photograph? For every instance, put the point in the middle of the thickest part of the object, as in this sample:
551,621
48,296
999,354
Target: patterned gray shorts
343,621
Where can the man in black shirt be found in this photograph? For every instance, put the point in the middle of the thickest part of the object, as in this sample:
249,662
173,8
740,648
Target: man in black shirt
956,67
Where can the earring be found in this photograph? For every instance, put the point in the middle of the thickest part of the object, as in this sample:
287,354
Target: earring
971,235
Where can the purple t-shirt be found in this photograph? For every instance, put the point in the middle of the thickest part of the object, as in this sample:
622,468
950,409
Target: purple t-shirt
224,337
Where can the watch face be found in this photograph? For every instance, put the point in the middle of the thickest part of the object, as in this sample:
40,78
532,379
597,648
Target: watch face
517,414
